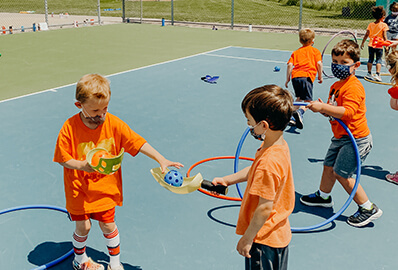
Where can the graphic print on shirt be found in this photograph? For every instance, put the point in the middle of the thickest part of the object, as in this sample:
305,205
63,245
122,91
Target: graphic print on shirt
85,147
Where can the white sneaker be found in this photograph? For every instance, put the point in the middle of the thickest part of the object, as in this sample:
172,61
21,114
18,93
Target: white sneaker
120,267
377,78
369,76
89,265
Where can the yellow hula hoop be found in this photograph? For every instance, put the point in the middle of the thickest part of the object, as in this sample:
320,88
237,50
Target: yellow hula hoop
382,83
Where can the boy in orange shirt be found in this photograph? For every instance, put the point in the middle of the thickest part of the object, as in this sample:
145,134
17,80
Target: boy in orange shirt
302,67
375,29
346,102
89,194
269,196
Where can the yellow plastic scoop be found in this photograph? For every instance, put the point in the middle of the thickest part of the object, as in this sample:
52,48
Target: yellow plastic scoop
106,164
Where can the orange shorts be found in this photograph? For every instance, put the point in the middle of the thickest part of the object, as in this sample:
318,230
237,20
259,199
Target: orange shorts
107,216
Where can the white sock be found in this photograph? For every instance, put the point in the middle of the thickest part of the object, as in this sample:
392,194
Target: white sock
367,205
79,247
323,195
113,244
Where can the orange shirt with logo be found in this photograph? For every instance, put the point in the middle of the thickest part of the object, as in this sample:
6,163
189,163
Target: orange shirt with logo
350,94
94,192
376,30
271,178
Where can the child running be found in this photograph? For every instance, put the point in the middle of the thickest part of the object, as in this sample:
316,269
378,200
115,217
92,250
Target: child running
269,196
346,101
392,66
89,194
375,29
302,67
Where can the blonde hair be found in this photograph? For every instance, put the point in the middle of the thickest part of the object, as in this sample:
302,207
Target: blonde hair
306,36
391,61
92,86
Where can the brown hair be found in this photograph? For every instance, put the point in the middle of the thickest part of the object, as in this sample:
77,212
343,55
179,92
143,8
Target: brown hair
391,61
378,12
270,103
92,86
306,36
347,46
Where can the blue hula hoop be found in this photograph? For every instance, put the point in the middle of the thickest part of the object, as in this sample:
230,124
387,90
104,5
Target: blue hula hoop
49,207
350,198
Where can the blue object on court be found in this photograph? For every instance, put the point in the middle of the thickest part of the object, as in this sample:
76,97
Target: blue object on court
174,178
210,79
277,68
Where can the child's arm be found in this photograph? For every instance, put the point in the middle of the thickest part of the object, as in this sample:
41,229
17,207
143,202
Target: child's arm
81,165
232,179
319,67
364,39
326,109
394,104
149,151
260,216
288,73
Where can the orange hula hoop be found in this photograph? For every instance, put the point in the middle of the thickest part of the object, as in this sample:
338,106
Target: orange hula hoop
212,159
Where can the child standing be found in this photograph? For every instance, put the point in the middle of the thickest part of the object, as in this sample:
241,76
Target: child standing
302,67
392,23
375,29
89,194
392,66
269,196
346,102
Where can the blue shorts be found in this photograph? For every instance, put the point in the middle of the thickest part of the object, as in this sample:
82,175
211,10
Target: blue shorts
377,52
265,257
302,87
341,154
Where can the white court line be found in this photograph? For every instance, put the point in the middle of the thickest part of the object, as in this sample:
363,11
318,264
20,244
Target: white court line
114,74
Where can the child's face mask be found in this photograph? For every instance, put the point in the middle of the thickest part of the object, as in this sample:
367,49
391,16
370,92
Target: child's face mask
260,137
341,71
98,119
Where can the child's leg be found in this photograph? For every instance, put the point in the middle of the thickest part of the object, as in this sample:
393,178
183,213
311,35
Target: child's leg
328,179
112,238
79,240
348,184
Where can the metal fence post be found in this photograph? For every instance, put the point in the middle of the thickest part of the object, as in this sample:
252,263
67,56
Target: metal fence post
99,11
172,12
301,15
232,14
123,11
46,11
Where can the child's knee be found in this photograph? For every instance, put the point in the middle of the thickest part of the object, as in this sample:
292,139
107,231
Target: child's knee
83,227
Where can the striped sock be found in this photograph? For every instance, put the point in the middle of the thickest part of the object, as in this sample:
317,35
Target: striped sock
113,244
79,247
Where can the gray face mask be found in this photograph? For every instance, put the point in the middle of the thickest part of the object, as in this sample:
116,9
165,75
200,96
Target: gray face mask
98,120
260,137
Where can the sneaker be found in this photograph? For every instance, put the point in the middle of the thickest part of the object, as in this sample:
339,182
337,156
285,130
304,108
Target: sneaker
292,122
89,265
315,199
363,216
393,178
377,77
298,117
120,267
369,76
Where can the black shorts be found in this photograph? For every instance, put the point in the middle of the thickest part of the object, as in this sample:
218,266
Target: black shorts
265,257
303,88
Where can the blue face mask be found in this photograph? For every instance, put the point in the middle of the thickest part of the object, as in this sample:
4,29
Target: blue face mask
341,71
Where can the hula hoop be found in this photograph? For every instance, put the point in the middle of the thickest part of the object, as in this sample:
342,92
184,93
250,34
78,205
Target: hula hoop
350,198
218,158
376,82
327,44
49,207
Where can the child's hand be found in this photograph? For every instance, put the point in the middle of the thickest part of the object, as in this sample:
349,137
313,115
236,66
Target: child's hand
244,246
320,80
316,106
167,163
86,167
287,83
218,181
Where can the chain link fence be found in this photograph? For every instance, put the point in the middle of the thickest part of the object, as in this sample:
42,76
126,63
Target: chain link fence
329,16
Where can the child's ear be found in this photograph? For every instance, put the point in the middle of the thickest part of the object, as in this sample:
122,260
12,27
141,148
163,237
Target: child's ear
78,104
357,64
264,124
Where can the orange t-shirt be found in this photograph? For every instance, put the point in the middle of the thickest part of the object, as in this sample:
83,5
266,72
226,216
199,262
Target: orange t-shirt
351,95
376,30
305,61
94,192
271,178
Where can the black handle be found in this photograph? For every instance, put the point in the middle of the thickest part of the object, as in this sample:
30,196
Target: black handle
220,189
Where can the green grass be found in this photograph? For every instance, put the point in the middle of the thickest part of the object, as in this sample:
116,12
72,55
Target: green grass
256,12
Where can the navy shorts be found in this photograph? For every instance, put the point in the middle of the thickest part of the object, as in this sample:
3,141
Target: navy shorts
341,154
377,52
265,257
303,87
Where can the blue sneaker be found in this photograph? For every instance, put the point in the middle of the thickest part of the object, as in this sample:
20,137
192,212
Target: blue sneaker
298,117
